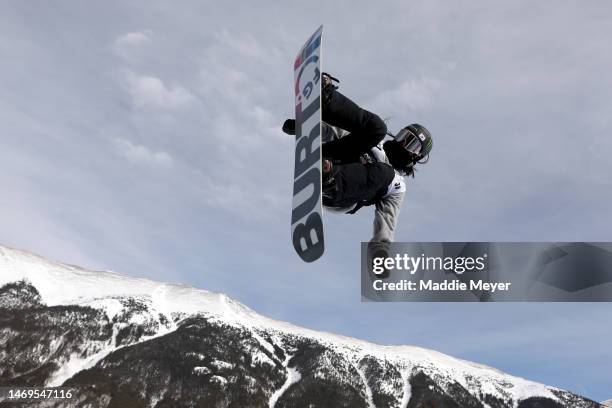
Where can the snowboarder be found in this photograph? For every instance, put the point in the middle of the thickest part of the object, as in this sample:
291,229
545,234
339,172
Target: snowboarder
358,168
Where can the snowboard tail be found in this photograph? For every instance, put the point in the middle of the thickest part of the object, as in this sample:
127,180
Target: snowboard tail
307,210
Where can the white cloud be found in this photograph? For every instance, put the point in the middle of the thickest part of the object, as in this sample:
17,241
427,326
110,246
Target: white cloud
411,94
142,154
151,91
125,45
246,44
262,115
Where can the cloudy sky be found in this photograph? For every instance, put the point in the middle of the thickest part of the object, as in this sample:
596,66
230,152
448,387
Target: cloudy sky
143,137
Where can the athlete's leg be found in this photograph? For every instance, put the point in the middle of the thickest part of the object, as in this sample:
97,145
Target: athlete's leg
366,128
345,185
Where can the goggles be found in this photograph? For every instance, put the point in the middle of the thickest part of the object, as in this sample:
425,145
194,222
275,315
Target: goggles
409,141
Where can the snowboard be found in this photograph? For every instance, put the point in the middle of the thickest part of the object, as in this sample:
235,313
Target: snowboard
307,211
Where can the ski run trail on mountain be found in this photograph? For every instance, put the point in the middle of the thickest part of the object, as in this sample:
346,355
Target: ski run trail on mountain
293,376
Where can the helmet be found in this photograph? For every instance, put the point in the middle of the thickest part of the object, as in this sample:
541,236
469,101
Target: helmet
412,145
416,139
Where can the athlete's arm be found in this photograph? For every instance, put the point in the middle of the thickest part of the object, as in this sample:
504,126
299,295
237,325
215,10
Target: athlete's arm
386,216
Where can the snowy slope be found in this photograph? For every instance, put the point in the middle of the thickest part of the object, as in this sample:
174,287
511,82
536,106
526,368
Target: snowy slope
161,307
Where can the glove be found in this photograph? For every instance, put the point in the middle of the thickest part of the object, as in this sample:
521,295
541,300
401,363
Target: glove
289,127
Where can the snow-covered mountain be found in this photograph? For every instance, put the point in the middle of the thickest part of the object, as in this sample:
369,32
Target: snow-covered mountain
607,403
132,342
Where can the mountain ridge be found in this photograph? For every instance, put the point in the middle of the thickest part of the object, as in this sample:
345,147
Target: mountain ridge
139,313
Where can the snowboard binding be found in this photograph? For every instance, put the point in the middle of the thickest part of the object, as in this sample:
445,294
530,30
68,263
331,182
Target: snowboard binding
328,82
328,87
